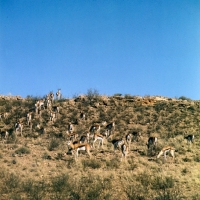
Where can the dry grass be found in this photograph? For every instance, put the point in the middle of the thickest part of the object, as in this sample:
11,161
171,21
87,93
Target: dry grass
40,165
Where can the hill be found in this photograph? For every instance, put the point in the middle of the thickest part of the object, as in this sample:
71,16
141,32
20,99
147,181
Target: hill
40,165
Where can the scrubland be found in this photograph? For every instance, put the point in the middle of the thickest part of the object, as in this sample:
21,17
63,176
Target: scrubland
39,165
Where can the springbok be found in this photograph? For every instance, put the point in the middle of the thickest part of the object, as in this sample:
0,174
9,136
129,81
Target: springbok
29,118
152,141
56,109
82,115
18,127
4,135
129,139
95,128
100,138
165,150
48,103
40,104
58,94
189,138
72,136
124,149
4,115
84,139
77,147
51,97
70,128
136,135
110,129
117,144
52,116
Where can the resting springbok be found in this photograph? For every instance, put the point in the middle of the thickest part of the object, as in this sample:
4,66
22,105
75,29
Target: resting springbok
165,150
18,127
58,94
100,138
77,147
152,141
189,138
124,149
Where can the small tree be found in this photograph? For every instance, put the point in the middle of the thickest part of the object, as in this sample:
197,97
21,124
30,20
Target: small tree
92,94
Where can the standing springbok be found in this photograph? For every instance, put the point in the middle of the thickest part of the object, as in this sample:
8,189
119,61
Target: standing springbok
152,141
100,138
165,150
136,135
117,144
51,97
29,118
52,116
129,139
189,138
4,115
95,128
84,138
110,128
18,127
48,103
70,128
82,115
124,149
130,136
56,109
4,135
77,147
58,94
72,136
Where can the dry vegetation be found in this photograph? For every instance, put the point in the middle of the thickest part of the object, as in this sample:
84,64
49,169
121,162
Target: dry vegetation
39,165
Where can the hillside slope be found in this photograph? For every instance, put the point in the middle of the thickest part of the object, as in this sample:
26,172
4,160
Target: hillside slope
38,164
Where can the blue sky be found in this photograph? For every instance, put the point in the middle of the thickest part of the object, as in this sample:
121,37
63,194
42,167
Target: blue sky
136,47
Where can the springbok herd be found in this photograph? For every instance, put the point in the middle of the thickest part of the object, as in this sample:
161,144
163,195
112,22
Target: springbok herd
85,142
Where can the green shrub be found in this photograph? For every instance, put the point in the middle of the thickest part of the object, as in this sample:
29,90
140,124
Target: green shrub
92,163
46,156
186,159
22,150
160,182
167,194
92,94
197,158
54,143
113,164
184,98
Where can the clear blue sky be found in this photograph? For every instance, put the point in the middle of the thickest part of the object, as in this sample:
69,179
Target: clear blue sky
136,47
